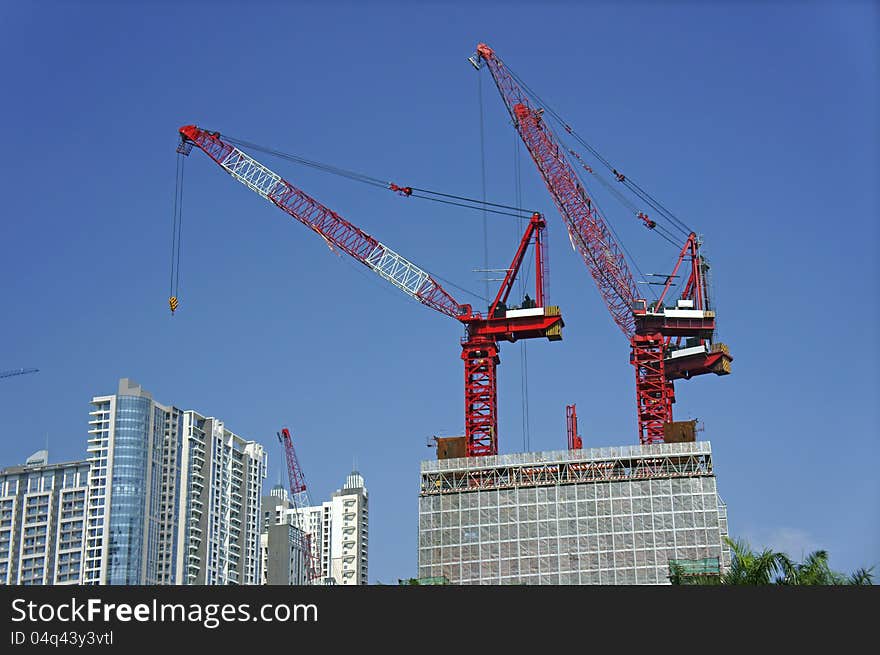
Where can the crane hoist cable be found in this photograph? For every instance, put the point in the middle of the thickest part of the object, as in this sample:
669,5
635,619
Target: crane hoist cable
623,200
176,233
650,328
483,332
610,225
483,180
407,191
523,349
628,182
625,250
415,192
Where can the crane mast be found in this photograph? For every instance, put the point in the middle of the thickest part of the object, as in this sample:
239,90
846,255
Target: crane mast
575,442
655,332
480,352
298,491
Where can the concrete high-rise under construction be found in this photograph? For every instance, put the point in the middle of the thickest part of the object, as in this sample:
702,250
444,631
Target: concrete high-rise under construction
617,515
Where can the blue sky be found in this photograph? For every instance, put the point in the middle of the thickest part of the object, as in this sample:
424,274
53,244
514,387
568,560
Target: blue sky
756,123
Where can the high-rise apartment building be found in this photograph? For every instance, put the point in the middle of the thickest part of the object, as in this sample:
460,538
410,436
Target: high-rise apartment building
126,438
221,480
43,521
339,530
175,496
170,499
284,545
349,532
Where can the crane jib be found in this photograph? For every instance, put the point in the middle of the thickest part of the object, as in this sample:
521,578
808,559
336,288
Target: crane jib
479,346
336,231
604,258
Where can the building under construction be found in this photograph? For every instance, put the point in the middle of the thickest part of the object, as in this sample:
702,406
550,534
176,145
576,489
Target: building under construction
603,516
595,516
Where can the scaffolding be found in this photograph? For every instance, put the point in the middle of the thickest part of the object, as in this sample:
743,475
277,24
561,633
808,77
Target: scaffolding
595,516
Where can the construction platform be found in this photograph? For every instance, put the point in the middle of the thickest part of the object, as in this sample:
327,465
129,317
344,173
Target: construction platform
613,515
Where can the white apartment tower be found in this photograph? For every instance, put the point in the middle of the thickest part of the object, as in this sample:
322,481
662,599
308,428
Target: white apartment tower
126,437
349,530
175,496
42,522
283,544
339,529
221,479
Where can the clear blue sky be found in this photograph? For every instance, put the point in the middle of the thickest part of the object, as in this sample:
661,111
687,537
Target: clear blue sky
756,123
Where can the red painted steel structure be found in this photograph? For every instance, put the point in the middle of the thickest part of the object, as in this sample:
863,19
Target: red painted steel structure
294,472
571,422
480,345
650,330
589,233
297,482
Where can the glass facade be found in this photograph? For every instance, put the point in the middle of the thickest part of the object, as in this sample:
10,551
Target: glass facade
137,451
142,502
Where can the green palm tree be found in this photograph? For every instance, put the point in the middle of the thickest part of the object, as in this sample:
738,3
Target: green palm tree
814,570
861,577
769,567
750,568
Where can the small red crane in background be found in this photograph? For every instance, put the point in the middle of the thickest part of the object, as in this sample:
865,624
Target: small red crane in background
571,422
300,500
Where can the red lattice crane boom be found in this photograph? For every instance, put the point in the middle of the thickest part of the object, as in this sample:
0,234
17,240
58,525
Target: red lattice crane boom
587,229
298,491
480,345
651,330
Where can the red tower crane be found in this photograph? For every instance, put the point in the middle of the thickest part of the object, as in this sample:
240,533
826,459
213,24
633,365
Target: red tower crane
299,499
655,332
482,333
571,423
